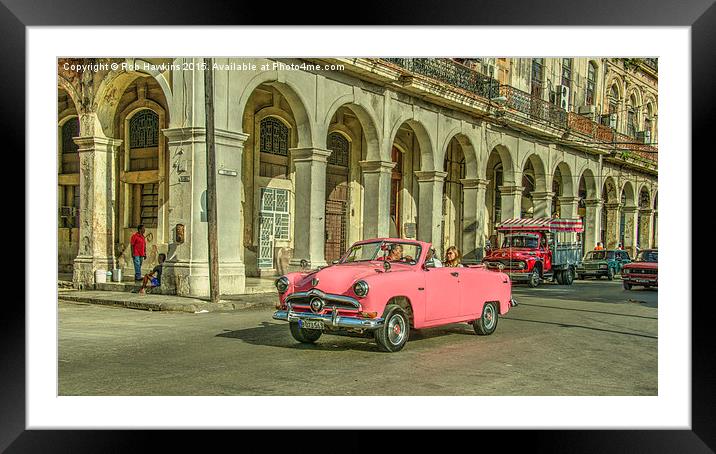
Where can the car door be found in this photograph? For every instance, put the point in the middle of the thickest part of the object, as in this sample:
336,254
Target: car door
442,293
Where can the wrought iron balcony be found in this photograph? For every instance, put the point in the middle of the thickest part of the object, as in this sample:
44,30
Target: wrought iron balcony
534,107
605,136
450,72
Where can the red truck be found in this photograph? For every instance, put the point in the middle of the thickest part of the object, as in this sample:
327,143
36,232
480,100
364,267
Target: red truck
535,250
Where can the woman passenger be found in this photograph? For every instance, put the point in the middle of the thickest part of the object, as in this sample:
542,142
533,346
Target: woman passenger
452,257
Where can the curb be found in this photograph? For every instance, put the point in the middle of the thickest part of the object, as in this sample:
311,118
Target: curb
190,306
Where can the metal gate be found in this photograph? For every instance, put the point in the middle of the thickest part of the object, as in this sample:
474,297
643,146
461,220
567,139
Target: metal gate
273,223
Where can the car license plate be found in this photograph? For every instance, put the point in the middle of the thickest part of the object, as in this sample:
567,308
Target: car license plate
310,324
641,281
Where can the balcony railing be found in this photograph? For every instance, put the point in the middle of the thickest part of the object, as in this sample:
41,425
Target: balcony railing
450,72
607,136
534,107
456,74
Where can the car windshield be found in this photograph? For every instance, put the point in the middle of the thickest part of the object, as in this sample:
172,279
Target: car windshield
383,250
528,241
647,256
599,255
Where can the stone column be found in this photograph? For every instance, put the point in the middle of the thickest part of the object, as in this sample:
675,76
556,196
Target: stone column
97,205
473,234
568,207
430,209
542,202
656,229
630,229
511,198
646,232
592,221
376,198
612,226
186,271
310,217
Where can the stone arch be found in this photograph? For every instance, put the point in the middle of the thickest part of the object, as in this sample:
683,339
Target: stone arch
644,201
508,167
613,79
289,89
540,173
427,158
590,182
628,194
567,179
468,149
609,190
366,117
109,95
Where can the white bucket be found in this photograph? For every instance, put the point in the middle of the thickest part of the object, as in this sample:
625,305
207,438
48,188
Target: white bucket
117,275
100,276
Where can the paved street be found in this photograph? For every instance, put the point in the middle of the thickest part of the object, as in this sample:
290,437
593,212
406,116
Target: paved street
592,338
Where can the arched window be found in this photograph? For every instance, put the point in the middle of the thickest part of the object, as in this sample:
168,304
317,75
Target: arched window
591,82
339,147
144,141
70,156
274,140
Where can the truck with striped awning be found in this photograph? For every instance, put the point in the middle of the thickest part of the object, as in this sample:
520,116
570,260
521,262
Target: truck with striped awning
535,250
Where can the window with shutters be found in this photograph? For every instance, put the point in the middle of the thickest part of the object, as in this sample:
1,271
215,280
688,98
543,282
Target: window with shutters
591,82
274,205
273,145
537,77
144,141
339,147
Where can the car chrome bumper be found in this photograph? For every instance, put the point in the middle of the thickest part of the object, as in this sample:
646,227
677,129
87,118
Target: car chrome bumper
330,320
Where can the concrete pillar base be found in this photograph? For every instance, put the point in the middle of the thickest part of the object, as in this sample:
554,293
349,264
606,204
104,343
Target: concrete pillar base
192,279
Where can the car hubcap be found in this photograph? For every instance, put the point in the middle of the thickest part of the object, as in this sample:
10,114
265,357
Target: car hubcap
396,330
489,317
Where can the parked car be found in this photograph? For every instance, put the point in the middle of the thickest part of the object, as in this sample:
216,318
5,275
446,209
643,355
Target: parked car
644,270
535,250
600,263
374,291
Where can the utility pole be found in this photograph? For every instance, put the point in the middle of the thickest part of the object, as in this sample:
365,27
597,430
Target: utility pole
211,182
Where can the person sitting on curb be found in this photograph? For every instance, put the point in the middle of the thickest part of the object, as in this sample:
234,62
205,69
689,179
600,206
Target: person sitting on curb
154,277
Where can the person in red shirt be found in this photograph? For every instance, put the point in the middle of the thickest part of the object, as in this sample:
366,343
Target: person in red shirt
139,251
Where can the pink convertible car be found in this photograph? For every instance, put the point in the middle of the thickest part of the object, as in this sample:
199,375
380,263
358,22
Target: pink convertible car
385,287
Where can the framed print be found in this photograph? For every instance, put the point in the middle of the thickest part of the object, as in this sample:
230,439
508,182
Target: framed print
364,132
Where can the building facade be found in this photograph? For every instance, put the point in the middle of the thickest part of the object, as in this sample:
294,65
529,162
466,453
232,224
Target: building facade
314,154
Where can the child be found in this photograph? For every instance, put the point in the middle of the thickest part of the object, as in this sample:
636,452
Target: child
153,278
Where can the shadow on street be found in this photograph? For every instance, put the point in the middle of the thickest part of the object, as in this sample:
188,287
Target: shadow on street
278,335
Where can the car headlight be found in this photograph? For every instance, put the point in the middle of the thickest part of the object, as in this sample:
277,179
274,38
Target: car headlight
360,288
282,284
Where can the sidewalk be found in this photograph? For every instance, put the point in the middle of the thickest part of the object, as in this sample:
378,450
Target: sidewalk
157,302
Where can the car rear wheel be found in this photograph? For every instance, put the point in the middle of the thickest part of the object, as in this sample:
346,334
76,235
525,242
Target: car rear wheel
394,333
486,324
303,335
627,286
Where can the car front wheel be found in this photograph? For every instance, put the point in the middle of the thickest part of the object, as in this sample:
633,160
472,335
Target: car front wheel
534,278
486,324
393,335
306,336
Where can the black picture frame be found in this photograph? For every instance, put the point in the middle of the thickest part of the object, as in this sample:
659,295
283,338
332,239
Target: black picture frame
700,15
